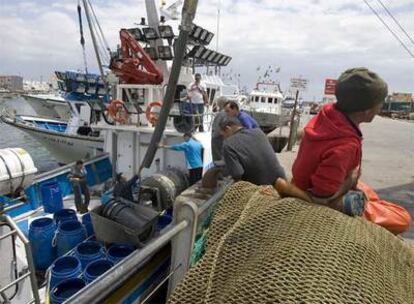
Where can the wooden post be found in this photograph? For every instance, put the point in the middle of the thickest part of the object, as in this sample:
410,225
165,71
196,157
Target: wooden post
292,122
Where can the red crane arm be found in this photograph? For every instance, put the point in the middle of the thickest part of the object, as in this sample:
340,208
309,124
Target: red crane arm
134,66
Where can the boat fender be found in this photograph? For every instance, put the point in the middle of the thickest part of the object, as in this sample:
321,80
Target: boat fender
118,111
151,116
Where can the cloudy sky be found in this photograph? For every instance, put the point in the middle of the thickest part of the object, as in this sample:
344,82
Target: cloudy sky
315,39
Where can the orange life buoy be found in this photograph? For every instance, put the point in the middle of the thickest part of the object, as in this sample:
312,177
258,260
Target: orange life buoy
117,111
150,115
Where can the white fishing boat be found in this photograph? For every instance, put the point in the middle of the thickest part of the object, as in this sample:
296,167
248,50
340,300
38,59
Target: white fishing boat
138,118
264,104
61,138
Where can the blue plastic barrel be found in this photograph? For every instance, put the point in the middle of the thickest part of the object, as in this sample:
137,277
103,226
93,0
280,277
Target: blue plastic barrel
41,234
68,235
96,268
65,289
117,252
66,267
87,222
64,215
89,251
52,197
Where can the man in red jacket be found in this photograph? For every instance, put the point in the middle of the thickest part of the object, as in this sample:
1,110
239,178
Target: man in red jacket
328,163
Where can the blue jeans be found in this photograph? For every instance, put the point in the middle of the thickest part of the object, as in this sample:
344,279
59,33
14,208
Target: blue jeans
198,108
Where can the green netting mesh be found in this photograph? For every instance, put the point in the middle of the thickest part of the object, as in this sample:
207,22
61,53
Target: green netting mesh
263,249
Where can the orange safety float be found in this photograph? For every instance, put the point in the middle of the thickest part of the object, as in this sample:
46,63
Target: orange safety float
152,116
117,111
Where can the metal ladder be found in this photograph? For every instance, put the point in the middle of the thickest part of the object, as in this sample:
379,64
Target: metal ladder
15,231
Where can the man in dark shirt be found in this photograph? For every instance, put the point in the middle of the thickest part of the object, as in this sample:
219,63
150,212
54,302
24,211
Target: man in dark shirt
77,177
123,187
248,154
216,138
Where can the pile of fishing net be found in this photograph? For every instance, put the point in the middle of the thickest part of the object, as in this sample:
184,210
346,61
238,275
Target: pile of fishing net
263,249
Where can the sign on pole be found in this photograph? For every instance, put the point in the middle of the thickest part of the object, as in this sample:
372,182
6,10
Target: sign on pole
299,83
330,85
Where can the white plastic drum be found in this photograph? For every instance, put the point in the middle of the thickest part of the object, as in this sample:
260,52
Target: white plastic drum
16,170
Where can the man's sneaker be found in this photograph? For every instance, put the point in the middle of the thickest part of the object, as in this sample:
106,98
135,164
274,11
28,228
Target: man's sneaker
354,203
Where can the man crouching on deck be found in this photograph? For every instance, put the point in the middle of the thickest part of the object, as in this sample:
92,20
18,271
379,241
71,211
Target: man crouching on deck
328,164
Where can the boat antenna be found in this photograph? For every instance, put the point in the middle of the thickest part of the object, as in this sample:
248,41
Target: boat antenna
82,39
218,25
95,45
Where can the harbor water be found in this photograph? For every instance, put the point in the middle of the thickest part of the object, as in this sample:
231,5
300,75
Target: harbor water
11,137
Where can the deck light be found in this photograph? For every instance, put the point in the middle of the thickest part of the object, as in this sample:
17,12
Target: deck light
206,54
227,61
152,52
150,33
195,33
196,52
209,37
211,56
218,58
165,52
136,32
166,31
204,35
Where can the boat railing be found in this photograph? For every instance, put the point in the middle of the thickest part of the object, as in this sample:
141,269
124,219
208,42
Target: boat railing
15,231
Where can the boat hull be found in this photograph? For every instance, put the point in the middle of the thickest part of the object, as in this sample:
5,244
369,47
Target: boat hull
65,148
269,121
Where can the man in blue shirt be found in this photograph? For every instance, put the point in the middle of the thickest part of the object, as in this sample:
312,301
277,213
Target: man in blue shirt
192,149
232,110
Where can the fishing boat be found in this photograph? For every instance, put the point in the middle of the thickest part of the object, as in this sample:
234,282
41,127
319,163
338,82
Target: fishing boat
265,105
61,138
132,126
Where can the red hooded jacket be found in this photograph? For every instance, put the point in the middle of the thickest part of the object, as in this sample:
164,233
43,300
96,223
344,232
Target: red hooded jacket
330,149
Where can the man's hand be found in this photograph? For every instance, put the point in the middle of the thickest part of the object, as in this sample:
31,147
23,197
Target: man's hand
160,145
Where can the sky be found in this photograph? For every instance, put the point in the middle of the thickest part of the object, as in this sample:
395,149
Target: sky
312,39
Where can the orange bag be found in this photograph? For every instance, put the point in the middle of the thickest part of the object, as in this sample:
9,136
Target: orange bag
388,215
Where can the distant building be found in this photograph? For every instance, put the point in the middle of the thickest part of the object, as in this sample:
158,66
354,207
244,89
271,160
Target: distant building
399,102
11,83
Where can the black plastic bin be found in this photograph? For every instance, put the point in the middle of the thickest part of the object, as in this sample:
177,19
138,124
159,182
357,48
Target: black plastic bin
135,227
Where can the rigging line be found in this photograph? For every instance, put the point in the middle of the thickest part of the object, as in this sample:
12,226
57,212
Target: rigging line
94,21
100,45
99,26
101,48
82,39
396,21
389,29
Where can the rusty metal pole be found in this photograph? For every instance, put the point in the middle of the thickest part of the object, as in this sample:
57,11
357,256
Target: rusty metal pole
292,122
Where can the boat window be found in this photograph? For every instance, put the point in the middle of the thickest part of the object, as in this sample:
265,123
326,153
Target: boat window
257,99
263,99
270,100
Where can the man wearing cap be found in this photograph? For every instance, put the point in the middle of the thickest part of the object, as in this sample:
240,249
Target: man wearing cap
328,164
